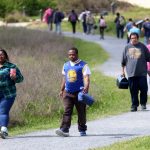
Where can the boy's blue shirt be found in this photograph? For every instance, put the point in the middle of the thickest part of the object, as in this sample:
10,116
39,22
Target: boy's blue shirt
74,76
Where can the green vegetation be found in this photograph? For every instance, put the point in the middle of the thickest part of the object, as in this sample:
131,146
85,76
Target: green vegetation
34,7
28,7
141,143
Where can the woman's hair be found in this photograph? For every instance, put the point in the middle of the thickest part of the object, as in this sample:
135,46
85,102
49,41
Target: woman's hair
5,53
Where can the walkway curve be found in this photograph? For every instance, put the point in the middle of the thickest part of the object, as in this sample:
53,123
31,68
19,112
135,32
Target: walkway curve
100,132
112,45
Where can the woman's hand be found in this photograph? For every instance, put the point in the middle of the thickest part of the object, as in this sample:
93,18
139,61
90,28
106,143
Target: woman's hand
13,73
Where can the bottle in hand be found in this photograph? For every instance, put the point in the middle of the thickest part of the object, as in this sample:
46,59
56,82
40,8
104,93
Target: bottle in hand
12,72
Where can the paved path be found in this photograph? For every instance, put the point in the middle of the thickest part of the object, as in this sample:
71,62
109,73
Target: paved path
113,46
100,132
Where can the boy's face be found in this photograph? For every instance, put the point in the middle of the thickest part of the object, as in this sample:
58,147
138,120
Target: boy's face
72,55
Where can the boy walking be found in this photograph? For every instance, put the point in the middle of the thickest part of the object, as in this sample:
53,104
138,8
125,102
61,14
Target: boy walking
75,76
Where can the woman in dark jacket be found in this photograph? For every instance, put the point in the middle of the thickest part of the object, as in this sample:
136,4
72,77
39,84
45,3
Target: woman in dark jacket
9,76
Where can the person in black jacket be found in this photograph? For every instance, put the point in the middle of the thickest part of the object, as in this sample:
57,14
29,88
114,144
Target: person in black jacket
58,17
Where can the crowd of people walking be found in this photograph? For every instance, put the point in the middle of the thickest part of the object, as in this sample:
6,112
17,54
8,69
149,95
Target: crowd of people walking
76,73
135,61
91,23
86,18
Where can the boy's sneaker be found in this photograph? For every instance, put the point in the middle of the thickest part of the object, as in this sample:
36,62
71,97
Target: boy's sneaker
62,133
143,107
133,109
3,135
82,133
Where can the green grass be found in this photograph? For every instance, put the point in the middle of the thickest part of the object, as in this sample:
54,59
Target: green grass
141,143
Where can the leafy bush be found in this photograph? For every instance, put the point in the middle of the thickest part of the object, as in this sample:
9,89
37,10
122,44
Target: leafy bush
2,8
29,7
16,17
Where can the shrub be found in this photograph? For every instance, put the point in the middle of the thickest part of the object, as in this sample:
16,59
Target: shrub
16,17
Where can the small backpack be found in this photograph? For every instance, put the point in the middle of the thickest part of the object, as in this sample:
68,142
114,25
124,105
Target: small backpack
102,23
73,18
147,25
121,21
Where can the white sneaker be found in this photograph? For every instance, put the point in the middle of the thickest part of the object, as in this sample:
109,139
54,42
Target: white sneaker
4,132
61,133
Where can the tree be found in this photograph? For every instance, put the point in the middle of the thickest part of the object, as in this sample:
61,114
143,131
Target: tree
2,8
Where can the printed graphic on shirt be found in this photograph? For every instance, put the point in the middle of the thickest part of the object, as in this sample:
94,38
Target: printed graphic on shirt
72,76
134,53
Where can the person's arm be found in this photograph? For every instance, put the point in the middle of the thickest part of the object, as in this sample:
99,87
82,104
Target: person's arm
17,77
142,29
68,18
125,29
77,19
86,75
123,71
86,83
62,88
116,19
147,53
123,62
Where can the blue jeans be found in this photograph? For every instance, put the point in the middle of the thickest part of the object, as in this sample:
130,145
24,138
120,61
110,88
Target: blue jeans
119,31
146,40
5,106
137,84
89,28
58,27
84,27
